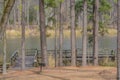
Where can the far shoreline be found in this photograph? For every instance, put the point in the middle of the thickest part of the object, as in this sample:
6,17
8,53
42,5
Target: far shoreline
50,33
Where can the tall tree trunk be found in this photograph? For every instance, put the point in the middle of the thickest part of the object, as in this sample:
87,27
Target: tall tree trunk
4,51
84,39
5,16
73,40
68,13
80,19
28,5
118,39
95,31
38,20
14,15
19,13
60,37
56,54
23,34
43,33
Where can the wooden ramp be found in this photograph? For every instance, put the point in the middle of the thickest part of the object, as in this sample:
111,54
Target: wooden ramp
29,60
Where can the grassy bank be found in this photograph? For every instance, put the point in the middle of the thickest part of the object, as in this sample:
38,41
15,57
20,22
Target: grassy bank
13,33
112,32
35,32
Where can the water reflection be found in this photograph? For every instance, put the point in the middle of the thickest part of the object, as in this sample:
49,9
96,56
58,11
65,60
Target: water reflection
34,42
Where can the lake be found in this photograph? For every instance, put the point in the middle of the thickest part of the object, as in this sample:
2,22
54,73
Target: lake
34,42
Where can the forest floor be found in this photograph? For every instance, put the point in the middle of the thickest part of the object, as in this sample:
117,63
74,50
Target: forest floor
64,73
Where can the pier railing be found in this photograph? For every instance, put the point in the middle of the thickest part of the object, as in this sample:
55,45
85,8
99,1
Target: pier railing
14,57
104,53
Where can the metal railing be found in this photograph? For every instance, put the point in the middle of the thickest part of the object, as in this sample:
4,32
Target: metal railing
104,53
14,56
66,54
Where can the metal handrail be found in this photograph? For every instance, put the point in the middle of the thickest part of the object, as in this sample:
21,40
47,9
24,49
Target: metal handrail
14,57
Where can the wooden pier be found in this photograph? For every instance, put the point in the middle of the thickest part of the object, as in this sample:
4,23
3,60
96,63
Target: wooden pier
33,55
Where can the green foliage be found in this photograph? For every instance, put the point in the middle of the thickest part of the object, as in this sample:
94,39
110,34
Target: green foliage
51,19
89,29
36,7
104,9
105,6
90,40
115,1
78,6
32,15
90,36
102,29
52,3
107,62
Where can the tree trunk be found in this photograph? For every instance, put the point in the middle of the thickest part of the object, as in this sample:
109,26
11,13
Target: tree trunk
14,15
68,13
56,54
95,31
28,5
3,23
80,19
23,34
118,40
84,39
60,37
43,33
5,16
4,53
73,40
38,20
4,50
19,13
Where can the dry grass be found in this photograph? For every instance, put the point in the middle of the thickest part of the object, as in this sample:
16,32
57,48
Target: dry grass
13,33
112,32
66,33
51,60
35,32
50,33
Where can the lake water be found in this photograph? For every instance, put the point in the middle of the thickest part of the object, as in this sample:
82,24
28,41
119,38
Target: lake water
34,42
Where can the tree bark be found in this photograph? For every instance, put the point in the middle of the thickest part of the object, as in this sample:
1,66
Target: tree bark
38,20
84,36
5,16
95,31
43,33
19,12
28,5
80,19
73,40
23,34
14,15
4,50
56,37
60,37
4,54
118,39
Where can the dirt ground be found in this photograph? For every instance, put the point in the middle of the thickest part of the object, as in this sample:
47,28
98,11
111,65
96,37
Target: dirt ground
64,73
